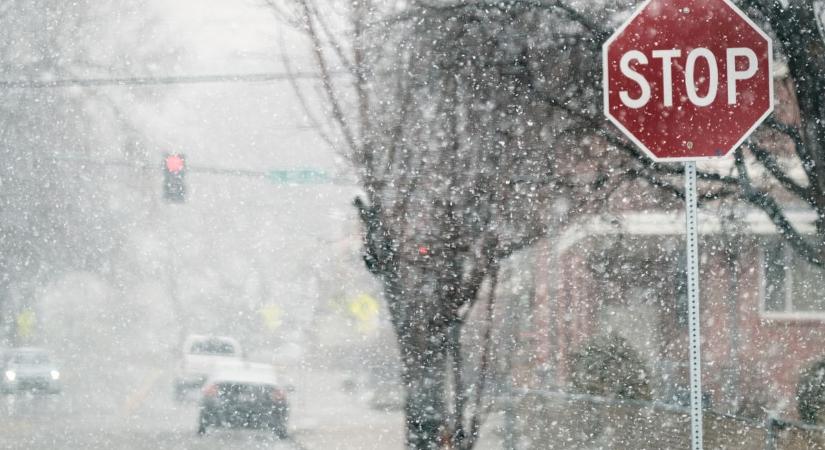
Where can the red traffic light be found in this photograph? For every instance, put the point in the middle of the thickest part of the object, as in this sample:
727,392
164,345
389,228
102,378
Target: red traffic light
174,169
174,163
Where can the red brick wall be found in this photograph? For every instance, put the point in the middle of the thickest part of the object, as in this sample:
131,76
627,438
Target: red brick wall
771,353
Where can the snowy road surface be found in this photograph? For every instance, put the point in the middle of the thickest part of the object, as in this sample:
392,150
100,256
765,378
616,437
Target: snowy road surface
142,415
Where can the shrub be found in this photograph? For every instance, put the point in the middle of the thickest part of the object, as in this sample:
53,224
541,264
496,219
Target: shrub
608,366
810,394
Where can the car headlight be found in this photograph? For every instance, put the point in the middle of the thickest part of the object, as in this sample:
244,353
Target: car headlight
55,375
10,375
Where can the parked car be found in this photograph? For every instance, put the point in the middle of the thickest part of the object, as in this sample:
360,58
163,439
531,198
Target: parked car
202,355
245,397
29,370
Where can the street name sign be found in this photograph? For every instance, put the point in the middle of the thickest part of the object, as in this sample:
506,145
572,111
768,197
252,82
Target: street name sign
298,176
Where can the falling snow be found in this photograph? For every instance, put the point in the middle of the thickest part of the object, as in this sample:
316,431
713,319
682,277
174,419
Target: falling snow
307,224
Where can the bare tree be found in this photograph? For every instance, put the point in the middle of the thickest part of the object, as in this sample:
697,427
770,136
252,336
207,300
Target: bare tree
434,107
56,215
465,119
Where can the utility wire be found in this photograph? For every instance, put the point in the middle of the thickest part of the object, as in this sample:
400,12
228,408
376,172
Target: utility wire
158,167
276,175
261,77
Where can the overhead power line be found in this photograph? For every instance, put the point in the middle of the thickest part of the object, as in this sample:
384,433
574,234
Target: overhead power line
262,77
156,167
292,176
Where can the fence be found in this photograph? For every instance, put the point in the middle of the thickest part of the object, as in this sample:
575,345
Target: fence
561,420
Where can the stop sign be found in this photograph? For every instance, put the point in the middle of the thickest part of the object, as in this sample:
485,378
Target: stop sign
687,79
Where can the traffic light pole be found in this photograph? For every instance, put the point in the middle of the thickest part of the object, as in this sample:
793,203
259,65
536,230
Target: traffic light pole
694,323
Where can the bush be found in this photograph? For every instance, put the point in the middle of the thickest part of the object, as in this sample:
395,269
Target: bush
810,394
608,366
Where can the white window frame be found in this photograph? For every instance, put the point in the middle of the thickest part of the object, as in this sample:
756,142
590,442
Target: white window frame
788,313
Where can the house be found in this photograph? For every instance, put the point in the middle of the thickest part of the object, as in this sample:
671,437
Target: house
622,270
762,306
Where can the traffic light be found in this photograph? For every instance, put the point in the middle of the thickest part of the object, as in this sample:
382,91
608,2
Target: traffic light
174,169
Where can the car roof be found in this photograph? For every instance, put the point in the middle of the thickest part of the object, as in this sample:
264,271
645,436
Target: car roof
251,373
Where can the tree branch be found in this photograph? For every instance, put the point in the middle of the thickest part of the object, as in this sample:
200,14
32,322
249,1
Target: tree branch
769,162
337,111
802,152
476,419
299,93
333,43
770,206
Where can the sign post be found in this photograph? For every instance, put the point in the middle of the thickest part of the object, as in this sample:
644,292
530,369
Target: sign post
688,80
694,324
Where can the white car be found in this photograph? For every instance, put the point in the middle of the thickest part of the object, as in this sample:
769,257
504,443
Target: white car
202,356
29,370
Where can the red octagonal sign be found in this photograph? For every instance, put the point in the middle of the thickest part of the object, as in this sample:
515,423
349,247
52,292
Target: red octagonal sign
688,79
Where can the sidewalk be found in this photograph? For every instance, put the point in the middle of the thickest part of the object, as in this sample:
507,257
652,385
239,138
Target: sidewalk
325,416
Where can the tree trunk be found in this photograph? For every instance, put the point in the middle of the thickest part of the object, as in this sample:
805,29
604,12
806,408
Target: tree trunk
424,352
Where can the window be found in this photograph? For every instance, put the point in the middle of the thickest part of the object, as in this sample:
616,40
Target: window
212,347
792,286
30,358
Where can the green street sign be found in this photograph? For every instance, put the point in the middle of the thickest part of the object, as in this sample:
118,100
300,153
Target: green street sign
298,176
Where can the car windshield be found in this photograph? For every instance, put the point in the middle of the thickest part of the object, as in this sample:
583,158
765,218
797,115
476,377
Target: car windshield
212,347
30,358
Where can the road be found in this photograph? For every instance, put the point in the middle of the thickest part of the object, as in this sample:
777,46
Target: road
140,414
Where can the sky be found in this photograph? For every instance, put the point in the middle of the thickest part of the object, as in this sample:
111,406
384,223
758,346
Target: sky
246,125
238,243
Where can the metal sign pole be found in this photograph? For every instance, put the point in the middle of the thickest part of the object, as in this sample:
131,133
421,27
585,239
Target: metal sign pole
695,343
